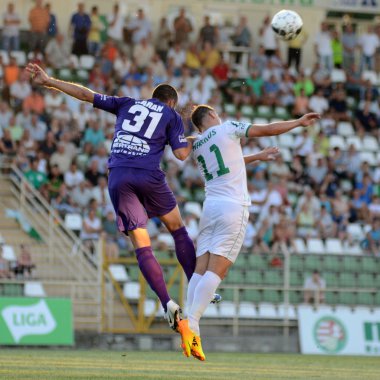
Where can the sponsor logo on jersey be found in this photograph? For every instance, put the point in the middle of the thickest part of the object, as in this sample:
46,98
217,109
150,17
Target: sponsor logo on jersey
126,143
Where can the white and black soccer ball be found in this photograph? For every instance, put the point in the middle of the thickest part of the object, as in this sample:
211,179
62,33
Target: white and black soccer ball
287,24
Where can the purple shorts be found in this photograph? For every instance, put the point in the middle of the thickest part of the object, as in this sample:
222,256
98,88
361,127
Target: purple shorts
138,195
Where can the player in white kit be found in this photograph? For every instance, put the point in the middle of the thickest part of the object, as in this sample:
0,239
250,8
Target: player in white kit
225,209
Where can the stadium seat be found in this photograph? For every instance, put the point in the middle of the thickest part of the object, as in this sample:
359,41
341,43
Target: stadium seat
366,280
34,289
295,279
331,263
315,245
300,245
227,294
82,75
371,76
235,276
230,108
247,111
133,273
74,60
296,131
241,262
368,157
291,312
267,310
296,262
350,264
331,279
131,290
65,74
9,253
286,141
369,264
295,296
347,298
252,295
212,311
118,272
338,76
264,111
365,299
149,307
253,277
281,113
312,262
334,246
86,62
347,280
227,309
5,56
355,140
272,296
273,277
73,222
353,249
260,120
338,141
355,230
370,144
247,310
345,129
331,298
193,208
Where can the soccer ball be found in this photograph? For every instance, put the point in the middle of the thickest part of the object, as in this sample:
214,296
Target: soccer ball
287,24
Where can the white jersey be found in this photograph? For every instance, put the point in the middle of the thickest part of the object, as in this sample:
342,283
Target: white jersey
220,159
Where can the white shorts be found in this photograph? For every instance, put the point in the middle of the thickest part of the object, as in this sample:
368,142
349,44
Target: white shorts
222,229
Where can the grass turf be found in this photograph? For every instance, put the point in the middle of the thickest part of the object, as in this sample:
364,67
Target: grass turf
76,364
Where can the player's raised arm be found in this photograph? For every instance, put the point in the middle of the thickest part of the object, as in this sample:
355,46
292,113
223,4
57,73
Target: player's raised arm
39,77
267,154
278,128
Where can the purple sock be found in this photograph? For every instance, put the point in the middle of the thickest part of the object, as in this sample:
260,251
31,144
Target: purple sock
152,272
185,251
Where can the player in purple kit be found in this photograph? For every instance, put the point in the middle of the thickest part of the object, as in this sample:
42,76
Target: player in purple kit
136,183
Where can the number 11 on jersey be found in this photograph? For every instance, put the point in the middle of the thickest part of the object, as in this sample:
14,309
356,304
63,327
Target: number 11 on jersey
222,170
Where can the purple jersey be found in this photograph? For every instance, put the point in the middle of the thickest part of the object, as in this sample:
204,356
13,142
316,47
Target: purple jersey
142,129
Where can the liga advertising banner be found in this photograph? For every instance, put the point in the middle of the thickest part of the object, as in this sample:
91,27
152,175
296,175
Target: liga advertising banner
36,321
340,332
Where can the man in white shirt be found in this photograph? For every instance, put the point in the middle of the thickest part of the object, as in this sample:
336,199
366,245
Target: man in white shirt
140,27
318,103
268,38
323,48
11,29
368,43
115,25
303,144
20,89
314,287
73,177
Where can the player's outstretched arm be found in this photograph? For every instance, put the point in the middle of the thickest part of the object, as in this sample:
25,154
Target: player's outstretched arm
39,77
278,128
183,153
267,154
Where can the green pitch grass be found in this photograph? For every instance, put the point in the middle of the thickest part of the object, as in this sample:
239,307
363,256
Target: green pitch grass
27,364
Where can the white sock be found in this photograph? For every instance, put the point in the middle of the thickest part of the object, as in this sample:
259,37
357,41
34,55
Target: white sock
195,278
204,293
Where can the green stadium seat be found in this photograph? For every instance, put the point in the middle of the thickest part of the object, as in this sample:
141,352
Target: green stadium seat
253,277
347,298
281,113
272,296
227,294
235,276
230,108
273,277
331,263
313,262
365,299
331,298
247,111
295,279
350,264
366,280
377,281
369,264
295,296
264,111
347,280
331,279
252,295
377,298
257,262
241,261
296,262
133,272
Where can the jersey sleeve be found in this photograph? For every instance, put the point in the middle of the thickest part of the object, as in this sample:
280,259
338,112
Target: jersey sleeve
176,136
237,129
108,103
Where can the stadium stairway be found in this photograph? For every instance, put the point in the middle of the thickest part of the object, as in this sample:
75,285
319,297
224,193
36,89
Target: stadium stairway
62,270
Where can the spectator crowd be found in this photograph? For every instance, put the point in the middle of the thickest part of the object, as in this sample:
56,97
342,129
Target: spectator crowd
314,189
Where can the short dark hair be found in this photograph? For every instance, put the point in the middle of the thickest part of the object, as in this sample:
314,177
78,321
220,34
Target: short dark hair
199,112
165,92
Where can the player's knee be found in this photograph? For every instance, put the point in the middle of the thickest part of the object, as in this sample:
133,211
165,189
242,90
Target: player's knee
174,225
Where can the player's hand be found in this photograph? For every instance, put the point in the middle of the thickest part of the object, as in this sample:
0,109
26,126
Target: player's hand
37,75
309,119
269,153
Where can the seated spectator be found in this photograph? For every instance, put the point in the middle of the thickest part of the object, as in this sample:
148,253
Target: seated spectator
366,114
317,173
372,241
110,231
63,202
82,194
318,103
24,263
303,145
37,128
301,104
15,129
34,102
271,92
283,234
143,53
61,158
286,88
338,106
7,145
303,83
327,228
193,61
374,208
93,134
90,232
177,56
34,176
306,222
92,174
19,90
278,169
11,71
209,56
101,193
55,181
264,238
53,99
73,177
57,52
314,287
